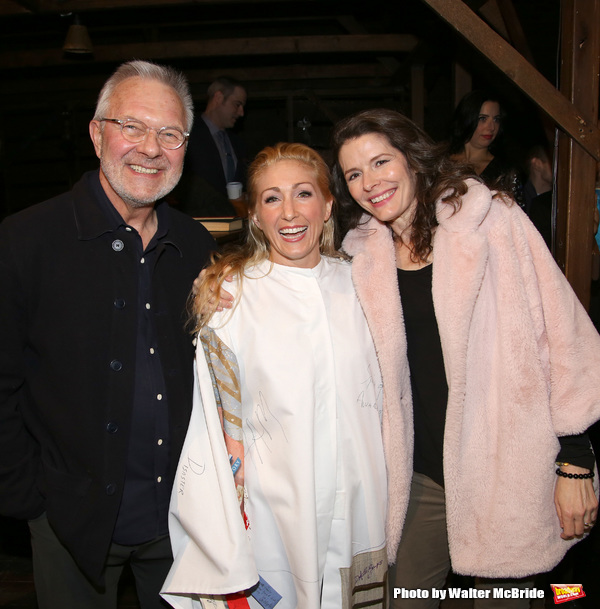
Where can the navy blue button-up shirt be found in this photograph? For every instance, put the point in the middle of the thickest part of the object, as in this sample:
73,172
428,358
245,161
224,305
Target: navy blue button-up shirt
146,491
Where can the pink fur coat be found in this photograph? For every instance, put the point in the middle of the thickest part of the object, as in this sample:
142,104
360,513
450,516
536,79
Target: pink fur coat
522,361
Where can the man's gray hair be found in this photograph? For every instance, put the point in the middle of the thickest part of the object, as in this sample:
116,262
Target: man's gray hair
147,71
225,84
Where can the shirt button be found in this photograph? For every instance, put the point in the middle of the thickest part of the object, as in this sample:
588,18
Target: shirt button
151,350
111,489
119,303
142,260
147,305
116,365
160,442
128,229
117,245
112,427
159,479
159,397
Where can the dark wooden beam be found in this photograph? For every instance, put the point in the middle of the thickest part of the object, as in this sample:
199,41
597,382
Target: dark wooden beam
18,89
566,115
577,168
491,13
262,82
516,36
341,93
16,7
515,29
82,6
353,26
229,47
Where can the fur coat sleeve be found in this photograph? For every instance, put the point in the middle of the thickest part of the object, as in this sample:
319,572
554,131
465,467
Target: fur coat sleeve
522,361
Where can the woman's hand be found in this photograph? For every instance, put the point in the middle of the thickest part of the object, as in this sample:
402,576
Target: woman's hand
225,298
576,503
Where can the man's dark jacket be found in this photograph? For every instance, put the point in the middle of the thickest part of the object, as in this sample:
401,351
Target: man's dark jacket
202,190
68,326
203,158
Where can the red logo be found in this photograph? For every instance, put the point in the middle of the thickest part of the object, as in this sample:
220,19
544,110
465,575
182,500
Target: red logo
567,592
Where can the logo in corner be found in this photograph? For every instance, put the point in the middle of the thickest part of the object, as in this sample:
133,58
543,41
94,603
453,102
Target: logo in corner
566,592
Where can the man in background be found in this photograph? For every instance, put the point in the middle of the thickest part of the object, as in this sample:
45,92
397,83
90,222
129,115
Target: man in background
215,154
537,192
96,366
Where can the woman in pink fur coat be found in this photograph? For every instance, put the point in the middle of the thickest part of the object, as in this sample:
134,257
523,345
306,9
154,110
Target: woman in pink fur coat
491,367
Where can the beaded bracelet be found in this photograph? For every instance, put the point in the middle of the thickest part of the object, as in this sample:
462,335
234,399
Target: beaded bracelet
559,472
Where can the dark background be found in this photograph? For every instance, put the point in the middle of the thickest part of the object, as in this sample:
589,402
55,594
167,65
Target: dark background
48,96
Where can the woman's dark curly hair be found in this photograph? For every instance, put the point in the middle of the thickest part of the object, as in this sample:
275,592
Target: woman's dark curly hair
435,173
466,118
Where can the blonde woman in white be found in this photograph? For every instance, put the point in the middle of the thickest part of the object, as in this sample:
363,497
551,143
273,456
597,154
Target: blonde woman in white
281,488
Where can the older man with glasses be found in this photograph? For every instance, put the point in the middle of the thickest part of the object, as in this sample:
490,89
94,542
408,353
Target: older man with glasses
96,364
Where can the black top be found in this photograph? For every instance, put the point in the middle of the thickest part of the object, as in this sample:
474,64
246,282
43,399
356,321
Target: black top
428,378
540,213
202,189
501,175
429,385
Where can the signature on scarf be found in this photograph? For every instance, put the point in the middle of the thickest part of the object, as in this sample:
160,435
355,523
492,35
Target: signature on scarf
193,467
258,430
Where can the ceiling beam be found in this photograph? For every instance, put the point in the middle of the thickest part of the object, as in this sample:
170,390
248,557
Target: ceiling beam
276,45
19,90
515,29
16,7
353,26
10,7
567,116
490,11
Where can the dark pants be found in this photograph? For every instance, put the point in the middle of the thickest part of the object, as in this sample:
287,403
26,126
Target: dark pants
423,558
60,584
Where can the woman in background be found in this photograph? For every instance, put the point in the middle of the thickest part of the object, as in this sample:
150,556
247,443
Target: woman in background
289,398
476,131
487,357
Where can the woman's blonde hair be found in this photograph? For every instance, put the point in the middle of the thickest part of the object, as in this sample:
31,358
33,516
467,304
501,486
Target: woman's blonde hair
255,247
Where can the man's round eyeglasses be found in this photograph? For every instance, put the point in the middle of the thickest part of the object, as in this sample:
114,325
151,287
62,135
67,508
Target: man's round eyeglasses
134,131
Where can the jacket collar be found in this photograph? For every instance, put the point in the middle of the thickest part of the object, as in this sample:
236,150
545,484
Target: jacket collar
95,215
90,206
475,204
